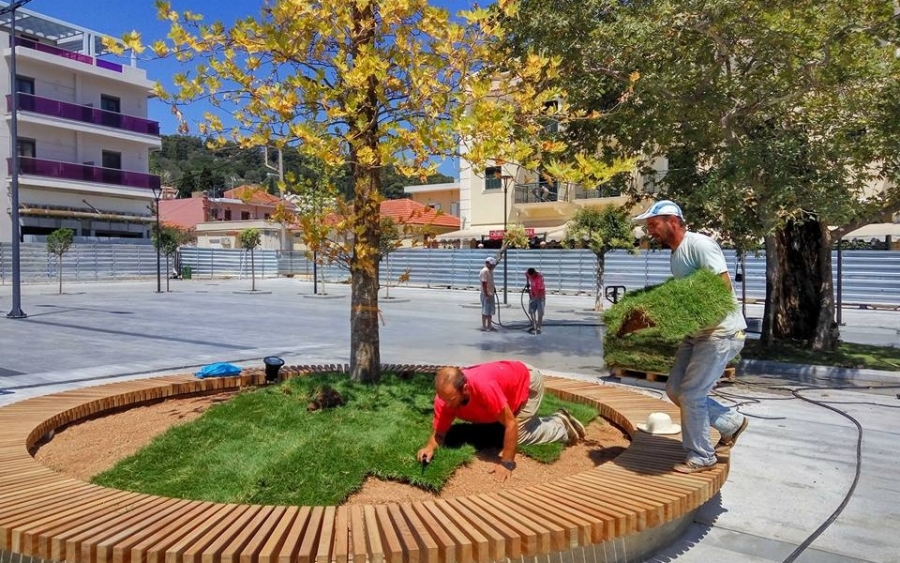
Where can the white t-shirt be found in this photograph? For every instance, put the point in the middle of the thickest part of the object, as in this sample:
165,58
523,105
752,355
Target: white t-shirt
699,251
487,275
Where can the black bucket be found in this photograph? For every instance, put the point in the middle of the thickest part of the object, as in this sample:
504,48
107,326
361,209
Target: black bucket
273,364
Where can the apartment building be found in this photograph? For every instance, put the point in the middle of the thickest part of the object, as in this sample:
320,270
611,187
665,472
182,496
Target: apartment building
83,137
507,194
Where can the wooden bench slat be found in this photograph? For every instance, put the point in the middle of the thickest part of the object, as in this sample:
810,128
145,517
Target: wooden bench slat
283,549
117,548
390,540
171,543
373,535
326,536
309,541
231,552
503,538
209,542
268,528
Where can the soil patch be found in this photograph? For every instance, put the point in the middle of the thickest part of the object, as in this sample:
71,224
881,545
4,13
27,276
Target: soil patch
85,449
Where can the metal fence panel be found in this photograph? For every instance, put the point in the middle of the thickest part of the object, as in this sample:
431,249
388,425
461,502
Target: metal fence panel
869,277
229,262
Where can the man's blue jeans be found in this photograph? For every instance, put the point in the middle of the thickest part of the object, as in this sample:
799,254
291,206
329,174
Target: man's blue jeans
699,364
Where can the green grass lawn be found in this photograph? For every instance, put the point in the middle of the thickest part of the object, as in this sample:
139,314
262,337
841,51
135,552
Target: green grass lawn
264,447
848,355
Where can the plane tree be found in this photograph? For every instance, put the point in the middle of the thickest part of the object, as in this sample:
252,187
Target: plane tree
363,84
778,120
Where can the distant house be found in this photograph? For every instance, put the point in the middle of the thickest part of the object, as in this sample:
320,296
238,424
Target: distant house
425,222
218,221
442,197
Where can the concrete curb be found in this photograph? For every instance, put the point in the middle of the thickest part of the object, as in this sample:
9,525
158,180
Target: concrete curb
804,373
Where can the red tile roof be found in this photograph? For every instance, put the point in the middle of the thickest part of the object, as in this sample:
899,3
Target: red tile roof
253,194
415,213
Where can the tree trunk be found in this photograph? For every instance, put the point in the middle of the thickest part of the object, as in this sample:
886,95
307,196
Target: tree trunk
365,346
773,283
252,272
59,272
601,268
168,273
802,307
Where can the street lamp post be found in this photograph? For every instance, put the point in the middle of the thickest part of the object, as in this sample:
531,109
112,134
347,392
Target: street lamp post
16,311
315,254
157,192
505,179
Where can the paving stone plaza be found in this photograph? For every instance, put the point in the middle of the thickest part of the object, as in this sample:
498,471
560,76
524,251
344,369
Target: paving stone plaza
790,472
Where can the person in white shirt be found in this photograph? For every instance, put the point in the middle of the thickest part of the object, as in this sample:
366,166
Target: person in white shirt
702,357
487,293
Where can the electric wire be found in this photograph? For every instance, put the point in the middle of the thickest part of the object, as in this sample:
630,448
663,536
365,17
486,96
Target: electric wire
796,394
859,438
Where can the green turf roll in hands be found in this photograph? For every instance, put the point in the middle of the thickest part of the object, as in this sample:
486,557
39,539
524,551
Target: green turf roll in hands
644,329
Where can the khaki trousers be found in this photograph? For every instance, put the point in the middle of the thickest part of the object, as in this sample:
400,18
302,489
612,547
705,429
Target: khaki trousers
532,428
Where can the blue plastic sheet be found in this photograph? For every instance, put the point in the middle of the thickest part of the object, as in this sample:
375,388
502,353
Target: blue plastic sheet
219,369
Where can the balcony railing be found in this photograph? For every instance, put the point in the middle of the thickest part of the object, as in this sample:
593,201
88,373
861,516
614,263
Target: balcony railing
85,173
597,192
539,192
85,114
72,55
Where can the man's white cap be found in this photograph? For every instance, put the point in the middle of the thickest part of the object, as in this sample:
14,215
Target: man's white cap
490,260
663,207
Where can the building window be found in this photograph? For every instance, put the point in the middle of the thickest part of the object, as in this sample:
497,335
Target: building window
110,103
214,213
492,178
228,215
25,84
112,159
435,206
267,217
26,148
245,215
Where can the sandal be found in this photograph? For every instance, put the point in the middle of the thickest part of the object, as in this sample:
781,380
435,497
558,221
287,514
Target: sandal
726,444
691,467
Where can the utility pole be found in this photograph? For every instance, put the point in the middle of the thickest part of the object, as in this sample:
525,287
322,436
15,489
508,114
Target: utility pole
505,179
280,170
16,311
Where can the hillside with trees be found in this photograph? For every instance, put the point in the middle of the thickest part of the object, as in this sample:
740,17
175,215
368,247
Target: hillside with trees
187,163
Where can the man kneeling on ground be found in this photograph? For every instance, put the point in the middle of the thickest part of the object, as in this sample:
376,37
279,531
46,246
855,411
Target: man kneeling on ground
507,392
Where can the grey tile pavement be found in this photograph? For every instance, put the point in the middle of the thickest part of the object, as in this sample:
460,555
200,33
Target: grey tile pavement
790,472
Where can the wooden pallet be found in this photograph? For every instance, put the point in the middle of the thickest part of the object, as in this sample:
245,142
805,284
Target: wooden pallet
50,516
728,376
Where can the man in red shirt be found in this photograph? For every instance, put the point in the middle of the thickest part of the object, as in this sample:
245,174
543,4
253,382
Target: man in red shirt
507,392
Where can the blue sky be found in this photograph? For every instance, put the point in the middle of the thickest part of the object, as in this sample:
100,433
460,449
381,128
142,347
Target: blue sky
115,17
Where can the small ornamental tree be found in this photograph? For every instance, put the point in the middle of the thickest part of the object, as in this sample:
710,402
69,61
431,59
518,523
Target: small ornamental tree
390,241
168,240
250,239
58,243
515,236
601,229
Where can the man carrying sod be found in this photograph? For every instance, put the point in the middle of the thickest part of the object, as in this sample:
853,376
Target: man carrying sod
507,392
701,358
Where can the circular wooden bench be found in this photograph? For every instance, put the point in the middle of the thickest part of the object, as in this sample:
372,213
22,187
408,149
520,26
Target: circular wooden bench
616,508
